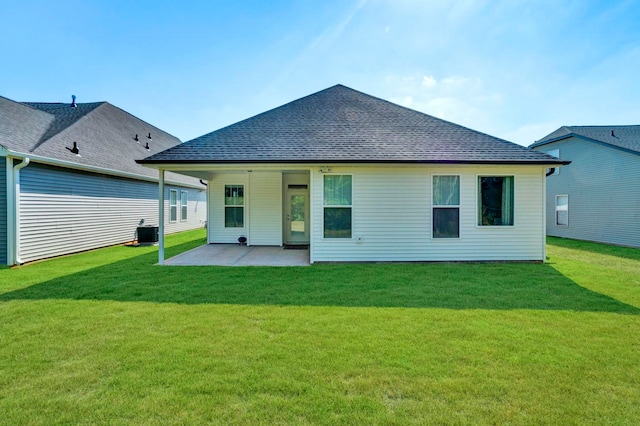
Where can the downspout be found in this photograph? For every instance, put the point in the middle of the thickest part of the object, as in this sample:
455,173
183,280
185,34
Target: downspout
161,216
550,172
15,225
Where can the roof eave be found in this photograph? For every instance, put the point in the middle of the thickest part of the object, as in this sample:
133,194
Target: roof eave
160,163
88,168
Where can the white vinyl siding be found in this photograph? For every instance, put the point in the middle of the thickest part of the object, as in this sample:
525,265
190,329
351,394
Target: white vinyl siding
265,214
262,208
3,211
217,231
381,231
603,185
64,211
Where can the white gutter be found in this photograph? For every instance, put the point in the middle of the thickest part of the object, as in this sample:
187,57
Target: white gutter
93,169
14,213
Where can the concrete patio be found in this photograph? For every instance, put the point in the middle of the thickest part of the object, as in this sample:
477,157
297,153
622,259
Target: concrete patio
236,255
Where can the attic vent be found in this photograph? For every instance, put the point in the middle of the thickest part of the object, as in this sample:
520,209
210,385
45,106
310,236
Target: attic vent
147,146
298,186
613,135
135,138
149,136
73,101
75,149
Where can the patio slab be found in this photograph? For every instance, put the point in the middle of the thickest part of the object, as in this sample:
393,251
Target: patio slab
236,255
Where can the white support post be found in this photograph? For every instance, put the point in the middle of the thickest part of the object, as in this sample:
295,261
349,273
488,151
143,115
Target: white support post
161,216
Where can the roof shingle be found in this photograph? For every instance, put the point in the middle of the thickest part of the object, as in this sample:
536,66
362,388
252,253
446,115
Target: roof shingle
625,137
343,125
104,134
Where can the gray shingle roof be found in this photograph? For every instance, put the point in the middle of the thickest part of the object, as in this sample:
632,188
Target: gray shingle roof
625,137
103,133
343,125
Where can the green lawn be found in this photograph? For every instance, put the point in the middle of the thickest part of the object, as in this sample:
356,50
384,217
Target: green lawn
107,337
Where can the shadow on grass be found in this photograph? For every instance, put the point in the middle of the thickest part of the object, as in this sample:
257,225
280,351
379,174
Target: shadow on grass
596,248
429,285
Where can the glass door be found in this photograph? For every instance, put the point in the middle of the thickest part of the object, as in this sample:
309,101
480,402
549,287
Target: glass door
297,219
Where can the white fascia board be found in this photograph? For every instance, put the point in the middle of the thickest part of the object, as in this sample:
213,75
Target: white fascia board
92,169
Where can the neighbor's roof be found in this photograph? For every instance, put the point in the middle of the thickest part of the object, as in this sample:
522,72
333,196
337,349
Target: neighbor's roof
342,125
625,137
104,135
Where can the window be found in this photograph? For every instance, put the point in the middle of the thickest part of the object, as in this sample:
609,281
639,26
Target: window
495,200
337,206
446,206
554,153
562,210
184,200
173,205
234,206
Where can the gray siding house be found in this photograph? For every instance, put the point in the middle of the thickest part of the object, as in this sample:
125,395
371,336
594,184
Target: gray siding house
597,196
69,181
357,178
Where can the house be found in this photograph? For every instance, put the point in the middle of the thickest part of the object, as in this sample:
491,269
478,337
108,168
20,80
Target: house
597,197
69,181
358,178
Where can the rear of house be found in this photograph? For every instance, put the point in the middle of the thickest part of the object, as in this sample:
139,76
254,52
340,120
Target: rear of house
596,197
358,178
365,212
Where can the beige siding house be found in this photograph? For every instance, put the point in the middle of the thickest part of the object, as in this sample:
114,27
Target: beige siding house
356,179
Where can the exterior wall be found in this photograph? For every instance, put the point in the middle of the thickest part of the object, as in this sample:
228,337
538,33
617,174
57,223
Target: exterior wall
263,208
265,214
3,211
65,211
217,233
392,217
603,185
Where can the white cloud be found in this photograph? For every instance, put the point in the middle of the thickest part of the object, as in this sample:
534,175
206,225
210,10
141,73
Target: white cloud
428,81
456,98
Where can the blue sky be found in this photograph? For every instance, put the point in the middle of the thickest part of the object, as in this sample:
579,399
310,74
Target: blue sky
514,69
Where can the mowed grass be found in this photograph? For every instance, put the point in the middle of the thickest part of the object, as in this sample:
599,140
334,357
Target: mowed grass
108,337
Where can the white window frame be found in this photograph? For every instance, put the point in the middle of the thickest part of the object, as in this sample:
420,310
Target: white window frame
184,206
443,206
479,202
562,208
325,206
173,206
244,203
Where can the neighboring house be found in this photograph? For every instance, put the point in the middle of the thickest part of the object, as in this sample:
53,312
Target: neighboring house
69,182
597,197
358,178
